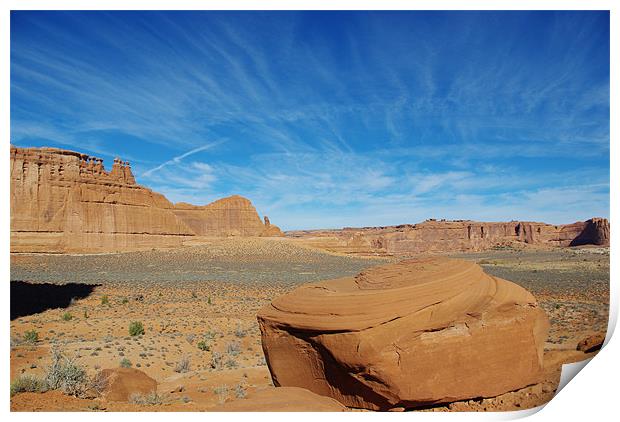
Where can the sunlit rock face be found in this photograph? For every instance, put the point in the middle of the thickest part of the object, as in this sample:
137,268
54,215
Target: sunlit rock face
416,333
65,201
457,236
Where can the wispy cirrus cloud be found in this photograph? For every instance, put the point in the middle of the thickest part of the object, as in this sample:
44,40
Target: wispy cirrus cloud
177,160
376,118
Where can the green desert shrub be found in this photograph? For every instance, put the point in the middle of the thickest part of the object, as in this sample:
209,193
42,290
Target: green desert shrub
125,363
124,301
136,328
66,375
204,345
67,316
31,336
105,300
28,383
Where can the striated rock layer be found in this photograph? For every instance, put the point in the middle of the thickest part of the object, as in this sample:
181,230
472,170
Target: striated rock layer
64,201
452,236
416,333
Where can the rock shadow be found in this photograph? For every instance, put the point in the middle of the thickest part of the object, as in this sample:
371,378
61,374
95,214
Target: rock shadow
590,235
32,298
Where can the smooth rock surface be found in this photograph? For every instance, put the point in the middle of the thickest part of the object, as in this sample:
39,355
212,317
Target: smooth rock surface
416,333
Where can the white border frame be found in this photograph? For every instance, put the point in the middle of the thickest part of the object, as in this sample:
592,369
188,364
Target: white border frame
591,395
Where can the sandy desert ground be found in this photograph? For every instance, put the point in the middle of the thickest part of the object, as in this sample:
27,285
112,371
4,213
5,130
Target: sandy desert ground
198,307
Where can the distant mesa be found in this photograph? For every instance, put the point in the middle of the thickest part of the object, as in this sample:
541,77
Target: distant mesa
232,216
417,333
64,201
438,236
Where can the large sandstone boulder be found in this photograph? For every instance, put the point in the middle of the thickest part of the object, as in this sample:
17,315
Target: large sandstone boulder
282,399
416,333
121,383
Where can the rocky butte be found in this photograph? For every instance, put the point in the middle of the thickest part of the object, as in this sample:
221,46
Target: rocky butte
64,201
417,333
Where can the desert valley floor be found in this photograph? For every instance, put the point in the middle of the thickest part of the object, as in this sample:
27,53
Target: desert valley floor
198,305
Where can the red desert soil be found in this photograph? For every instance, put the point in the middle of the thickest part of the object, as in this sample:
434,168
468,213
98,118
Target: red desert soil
212,293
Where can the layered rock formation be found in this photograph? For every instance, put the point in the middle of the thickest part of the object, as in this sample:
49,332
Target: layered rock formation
233,216
411,334
452,236
64,201
271,230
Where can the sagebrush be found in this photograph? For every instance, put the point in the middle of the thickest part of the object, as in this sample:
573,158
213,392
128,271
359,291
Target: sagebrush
28,383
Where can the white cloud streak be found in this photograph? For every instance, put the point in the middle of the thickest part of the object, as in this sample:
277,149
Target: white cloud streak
179,158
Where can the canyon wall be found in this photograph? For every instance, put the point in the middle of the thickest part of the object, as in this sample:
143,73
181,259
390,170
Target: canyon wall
64,201
454,236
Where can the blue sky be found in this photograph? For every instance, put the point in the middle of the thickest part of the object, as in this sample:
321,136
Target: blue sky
330,119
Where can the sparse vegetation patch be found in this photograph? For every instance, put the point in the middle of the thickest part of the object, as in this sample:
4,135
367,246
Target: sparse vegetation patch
66,375
28,383
136,328
31,337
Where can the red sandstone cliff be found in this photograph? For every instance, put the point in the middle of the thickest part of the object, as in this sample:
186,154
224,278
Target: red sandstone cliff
64,201
452,236
232,216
